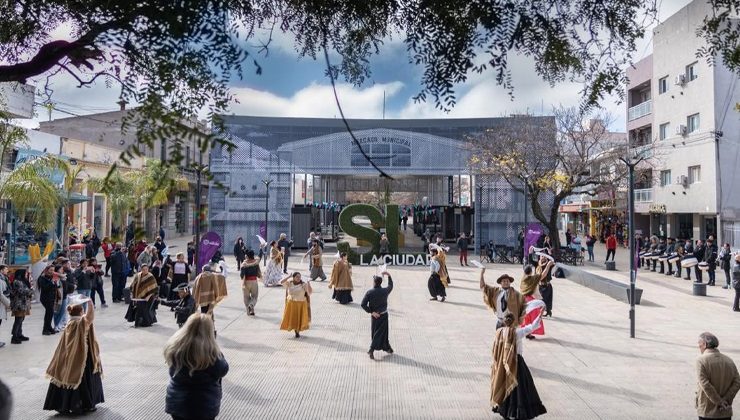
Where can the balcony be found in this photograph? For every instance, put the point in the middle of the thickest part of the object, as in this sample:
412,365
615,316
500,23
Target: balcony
644,195
640,110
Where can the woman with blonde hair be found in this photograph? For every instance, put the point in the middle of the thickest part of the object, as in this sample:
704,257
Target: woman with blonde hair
196,369
75,369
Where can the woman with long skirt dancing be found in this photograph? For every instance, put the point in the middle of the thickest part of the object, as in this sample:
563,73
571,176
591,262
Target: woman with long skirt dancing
75,369
274,270
341,280
544,271
513,394
297,314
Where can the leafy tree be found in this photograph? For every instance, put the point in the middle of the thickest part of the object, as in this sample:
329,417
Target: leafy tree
175,59
552,158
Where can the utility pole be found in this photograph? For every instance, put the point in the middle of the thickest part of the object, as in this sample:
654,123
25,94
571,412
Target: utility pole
526,218
267,182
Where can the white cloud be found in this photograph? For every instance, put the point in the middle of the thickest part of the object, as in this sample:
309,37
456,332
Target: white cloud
316,100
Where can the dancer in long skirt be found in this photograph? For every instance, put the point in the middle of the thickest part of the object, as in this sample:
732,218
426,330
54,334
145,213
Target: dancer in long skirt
341,280
316,262
144,299
297,314
544,271
375,303
274,270
513,393
435,284
75,369
530,291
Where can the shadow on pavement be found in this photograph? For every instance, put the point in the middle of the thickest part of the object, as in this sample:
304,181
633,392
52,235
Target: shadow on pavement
590,386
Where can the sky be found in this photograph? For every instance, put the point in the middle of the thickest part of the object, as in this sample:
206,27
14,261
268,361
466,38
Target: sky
293,86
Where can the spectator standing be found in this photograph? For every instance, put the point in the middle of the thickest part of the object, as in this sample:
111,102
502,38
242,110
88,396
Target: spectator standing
590,243
196,368
117,266
736,283
611,246
4,297
107,250
462,246
384,245
240,251
568,238
405,220
49,296
725,263
718,380
285,244
20,303
161,232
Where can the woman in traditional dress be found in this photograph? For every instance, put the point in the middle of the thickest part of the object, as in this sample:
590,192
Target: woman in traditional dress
274,270
444,275
75,369
297,314
530,290
21,295
544,271
513,394
144,298
180,270
341,280
197,367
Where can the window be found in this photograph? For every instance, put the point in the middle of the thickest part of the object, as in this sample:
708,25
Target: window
692,123
694,174
664,131
691,73
663,85
665,178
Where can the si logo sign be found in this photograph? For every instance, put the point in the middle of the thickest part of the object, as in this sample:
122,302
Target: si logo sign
377,221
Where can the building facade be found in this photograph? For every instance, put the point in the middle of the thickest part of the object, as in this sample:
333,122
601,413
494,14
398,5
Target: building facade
683,108
314,167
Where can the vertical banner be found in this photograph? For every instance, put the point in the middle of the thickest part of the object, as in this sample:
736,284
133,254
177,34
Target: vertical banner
532,234
209,244
263,231
450,190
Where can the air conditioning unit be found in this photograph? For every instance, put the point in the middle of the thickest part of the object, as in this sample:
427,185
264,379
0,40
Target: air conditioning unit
680,80
681,130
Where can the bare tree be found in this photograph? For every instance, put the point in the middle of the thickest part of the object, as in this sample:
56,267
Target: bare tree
553,158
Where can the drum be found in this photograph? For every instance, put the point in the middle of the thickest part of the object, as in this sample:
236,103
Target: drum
703,266
689,262
674,258
663,258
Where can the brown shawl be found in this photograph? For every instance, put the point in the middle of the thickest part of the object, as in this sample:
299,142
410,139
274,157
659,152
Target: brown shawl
442,259
68,363
504,367
277,256
530,284
515,302
144,288
210,289
341,276
316,258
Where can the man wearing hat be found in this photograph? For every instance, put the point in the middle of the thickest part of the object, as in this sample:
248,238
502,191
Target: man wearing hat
503,298
183,307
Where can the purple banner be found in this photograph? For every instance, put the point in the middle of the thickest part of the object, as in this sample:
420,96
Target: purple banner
209,244
531,235
263,230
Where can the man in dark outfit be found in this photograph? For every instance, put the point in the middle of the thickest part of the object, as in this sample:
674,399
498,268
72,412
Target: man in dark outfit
375,303
183,307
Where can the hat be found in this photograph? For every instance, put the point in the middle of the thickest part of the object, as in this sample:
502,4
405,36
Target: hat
181,287
505,276
207,267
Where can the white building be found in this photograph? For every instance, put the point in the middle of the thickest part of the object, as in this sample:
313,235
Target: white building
685,108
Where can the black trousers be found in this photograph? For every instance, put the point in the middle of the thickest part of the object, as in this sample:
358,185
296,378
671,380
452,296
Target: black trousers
610,252
712,276
670,268
697,273
119,283
435,286
107,265
17,331
736,304
546,292
379,333
727,275
48,315
285,264
97,289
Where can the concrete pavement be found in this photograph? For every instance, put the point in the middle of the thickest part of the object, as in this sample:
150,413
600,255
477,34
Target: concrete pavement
586,367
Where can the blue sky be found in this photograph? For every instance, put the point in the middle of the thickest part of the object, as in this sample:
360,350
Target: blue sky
295,86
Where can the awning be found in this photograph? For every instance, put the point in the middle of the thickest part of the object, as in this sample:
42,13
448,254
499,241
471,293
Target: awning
77,198
571,208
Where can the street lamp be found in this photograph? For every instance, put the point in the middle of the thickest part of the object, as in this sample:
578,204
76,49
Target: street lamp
198,173
267,182
631,163
526,182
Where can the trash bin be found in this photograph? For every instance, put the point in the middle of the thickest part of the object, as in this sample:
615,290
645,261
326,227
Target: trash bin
700,289
611,266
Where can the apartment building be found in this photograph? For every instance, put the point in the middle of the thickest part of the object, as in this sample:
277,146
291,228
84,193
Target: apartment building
681,108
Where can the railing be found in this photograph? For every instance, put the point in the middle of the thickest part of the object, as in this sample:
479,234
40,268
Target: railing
640,110
644,195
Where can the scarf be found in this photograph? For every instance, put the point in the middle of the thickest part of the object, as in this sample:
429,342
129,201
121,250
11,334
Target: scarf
277,256
504,367
316,258
515,302
341,276
210,289
143,287
68,364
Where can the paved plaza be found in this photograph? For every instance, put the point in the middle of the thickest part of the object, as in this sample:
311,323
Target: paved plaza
586,367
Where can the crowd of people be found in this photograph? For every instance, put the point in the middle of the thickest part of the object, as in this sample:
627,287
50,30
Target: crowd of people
197,365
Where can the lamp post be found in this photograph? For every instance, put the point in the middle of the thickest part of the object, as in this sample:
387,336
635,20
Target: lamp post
526,213
198,174
267,182
631,163
479,230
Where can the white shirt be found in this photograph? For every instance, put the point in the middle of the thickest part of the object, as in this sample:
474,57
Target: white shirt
434,266
523,332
